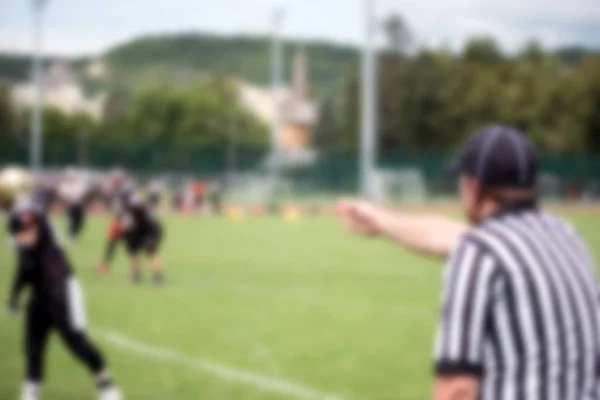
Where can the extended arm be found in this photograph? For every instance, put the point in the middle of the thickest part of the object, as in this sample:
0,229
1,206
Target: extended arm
431,235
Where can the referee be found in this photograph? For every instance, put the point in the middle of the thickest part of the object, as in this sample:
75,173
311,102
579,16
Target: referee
521,309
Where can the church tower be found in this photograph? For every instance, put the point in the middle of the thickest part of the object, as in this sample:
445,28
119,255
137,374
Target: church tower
299,110
300,76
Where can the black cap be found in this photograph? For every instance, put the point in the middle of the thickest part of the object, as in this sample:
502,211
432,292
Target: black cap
498,156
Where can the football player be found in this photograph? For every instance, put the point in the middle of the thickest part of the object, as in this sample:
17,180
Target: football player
141,232
55,301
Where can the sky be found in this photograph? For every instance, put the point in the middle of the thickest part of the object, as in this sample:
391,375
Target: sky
77,27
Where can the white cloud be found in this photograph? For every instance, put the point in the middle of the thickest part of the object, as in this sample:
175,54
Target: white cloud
565,10
75,26
511,22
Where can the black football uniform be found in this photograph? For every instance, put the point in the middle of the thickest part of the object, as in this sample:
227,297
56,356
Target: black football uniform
76,213
142,232
75,195
56,299
119,200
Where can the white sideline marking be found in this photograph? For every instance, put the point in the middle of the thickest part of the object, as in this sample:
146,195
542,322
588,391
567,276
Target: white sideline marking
262,382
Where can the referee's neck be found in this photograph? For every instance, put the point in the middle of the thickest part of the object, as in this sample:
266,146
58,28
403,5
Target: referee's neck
499,209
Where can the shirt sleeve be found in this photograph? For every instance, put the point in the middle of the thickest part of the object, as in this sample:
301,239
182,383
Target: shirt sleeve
469,275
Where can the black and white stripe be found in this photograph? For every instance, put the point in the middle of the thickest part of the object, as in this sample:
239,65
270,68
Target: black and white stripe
521,310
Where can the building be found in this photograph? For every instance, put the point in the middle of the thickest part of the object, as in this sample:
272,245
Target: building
299,111
62,91
96,69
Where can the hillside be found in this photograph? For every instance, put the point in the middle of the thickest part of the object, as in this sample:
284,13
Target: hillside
182,56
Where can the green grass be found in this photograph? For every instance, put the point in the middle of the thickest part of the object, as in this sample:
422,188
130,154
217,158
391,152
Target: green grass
299,302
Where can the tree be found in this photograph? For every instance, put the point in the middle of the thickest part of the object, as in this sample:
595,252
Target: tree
482,49
7,114
591,111
533,51
10,148
433,100
180,126
427,101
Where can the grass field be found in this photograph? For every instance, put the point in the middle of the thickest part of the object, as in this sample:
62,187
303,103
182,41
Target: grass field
260,309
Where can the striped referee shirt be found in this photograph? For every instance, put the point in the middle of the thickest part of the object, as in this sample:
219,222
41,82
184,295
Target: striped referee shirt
521,310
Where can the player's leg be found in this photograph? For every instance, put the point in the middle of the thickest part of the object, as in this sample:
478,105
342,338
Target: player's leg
69,320
79,220
135,244
152,247
158,276
85,351
37,328
136,267
73,221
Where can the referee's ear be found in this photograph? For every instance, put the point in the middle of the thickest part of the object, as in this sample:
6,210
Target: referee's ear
449,387
471,197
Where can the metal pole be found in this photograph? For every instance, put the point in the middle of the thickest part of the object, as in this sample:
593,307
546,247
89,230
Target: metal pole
83,147
231,150
369,104
35,150
276,80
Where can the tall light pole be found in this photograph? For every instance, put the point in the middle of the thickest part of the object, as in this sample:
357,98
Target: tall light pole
276,84
35,139
368,139
231,150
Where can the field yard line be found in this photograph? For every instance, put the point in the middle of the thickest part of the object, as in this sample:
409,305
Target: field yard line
224,372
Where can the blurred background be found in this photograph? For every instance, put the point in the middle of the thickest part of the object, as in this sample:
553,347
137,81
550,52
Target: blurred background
245,91
228,110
